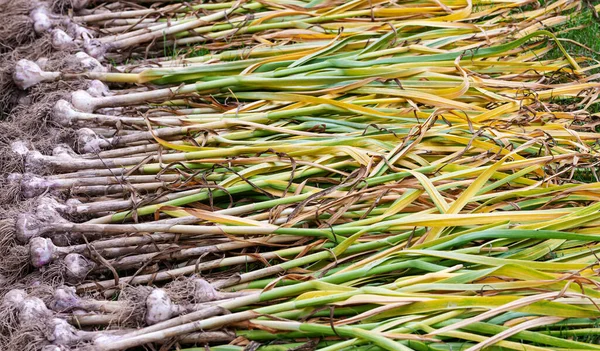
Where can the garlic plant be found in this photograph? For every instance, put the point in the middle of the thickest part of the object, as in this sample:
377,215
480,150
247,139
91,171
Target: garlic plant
357,175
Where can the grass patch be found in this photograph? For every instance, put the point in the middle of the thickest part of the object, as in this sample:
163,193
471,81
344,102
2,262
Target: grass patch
582,28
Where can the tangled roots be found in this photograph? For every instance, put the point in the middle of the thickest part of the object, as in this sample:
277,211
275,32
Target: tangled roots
8,215
31,121
11,168
31,337
54,274
181,290
14,263
135,297
42,291
16,27
193,289
10,192
15,31
62,6
17,7
8,324
10,94
7,235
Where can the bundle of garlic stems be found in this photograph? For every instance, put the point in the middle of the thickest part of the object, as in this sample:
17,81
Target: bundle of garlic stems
303,175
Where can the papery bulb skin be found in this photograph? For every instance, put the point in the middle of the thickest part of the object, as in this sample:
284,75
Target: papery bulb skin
33,185
14,298
27,227
79,4
27,74
62,41
90,142
32,310
41,251
78,32
89,63
42,22
49,209
64,151
63,333
204,291
83,101
42,62
98,89
19,147
64,299
35,161
95,48
63,113
72,206
77,267
158,307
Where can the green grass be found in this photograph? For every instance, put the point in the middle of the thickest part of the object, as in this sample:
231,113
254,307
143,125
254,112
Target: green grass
581,28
